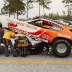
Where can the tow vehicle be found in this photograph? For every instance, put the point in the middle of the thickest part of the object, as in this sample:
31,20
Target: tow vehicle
57,36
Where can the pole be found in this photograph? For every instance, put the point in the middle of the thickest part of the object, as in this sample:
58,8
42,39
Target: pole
43,11
68,8
39,8
27,9
68,12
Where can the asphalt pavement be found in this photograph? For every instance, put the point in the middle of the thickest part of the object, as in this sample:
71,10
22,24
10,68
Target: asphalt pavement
36,63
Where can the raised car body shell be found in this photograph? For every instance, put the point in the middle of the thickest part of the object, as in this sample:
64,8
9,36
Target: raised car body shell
46,34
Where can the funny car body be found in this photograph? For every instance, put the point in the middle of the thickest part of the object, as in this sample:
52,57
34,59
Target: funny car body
58,37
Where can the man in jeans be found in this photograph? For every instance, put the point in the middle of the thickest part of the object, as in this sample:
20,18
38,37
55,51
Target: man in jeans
7,40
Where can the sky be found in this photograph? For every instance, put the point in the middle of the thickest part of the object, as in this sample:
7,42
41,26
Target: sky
1,4
55,6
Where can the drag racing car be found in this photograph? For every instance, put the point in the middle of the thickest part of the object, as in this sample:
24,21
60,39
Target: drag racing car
58,37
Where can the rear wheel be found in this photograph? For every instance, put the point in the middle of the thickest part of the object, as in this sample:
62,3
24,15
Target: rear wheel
61,48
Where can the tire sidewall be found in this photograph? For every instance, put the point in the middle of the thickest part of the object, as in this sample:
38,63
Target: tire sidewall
56,53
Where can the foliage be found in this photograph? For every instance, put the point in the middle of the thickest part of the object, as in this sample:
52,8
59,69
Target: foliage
57,16
44,3
68,3
13,6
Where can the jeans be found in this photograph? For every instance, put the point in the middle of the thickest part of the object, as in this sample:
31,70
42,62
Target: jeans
7,42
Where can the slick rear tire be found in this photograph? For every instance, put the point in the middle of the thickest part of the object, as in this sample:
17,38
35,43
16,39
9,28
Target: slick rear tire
61,48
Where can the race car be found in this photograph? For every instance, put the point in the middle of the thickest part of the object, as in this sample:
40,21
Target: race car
58,36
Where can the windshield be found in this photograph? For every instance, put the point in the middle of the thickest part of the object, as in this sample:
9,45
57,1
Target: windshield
69,24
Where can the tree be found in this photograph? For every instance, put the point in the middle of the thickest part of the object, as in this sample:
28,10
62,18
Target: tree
68,3
14,6
44,3
18,6
28,7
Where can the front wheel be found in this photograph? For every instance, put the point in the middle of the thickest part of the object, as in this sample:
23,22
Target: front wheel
61,48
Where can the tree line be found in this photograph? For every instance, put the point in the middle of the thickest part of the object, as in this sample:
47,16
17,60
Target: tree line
21,6
57,17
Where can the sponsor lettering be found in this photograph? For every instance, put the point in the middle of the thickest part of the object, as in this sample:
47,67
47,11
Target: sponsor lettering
26,25
62,35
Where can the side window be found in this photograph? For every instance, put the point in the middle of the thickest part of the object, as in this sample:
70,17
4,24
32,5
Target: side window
38,23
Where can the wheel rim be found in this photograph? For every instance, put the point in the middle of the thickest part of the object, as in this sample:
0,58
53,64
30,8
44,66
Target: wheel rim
61,48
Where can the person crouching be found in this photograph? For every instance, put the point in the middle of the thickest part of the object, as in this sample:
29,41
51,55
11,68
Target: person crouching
7,40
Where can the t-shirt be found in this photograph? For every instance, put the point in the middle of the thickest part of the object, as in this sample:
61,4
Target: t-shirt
8,35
